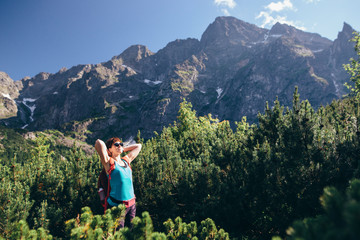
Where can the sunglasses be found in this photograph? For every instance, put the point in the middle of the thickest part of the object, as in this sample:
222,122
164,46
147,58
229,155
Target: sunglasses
118,144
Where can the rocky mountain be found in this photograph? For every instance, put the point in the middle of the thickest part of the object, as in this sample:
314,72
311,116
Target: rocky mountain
9,91
230,72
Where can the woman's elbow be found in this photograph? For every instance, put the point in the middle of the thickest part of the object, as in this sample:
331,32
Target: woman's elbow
98,142
98,145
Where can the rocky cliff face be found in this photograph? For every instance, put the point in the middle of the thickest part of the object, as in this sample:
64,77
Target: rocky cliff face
9,90
231,72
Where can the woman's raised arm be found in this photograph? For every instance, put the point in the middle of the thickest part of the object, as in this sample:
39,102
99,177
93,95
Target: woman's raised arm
101,149
133,150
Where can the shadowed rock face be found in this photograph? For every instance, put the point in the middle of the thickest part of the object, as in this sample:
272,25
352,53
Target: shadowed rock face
231,72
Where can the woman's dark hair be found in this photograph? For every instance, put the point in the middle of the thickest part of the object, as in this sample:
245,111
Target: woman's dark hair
111,141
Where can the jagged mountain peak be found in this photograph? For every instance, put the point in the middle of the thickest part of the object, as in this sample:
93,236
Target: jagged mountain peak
6,83
229,20
313,41
282,29
346,32
344,36
347,28
231,30
131,57
135,53
342,49
36,80
42,76
62,70
4,76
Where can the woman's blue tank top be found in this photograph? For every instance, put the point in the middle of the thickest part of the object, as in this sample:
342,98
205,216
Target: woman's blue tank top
121,183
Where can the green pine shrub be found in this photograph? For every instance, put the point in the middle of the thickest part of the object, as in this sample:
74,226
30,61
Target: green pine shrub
340,220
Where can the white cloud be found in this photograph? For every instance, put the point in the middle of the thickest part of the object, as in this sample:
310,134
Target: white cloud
271,20
268,20
227,3
312,1
272,14
225,12
280,6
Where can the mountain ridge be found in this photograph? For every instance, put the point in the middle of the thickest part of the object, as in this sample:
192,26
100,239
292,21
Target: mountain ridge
230,72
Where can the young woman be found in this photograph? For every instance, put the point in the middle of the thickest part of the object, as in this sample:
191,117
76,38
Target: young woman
121,183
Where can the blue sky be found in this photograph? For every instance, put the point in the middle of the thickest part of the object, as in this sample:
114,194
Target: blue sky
46,35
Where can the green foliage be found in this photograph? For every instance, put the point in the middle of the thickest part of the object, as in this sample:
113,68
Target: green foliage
15,199
22,231
12,144
341,219
207,230
89,226
252,181
177,166
353,68
44,187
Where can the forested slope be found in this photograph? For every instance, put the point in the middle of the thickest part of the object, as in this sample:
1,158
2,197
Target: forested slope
252,182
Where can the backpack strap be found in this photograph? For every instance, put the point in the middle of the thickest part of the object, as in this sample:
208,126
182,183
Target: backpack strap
112,167
126,159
